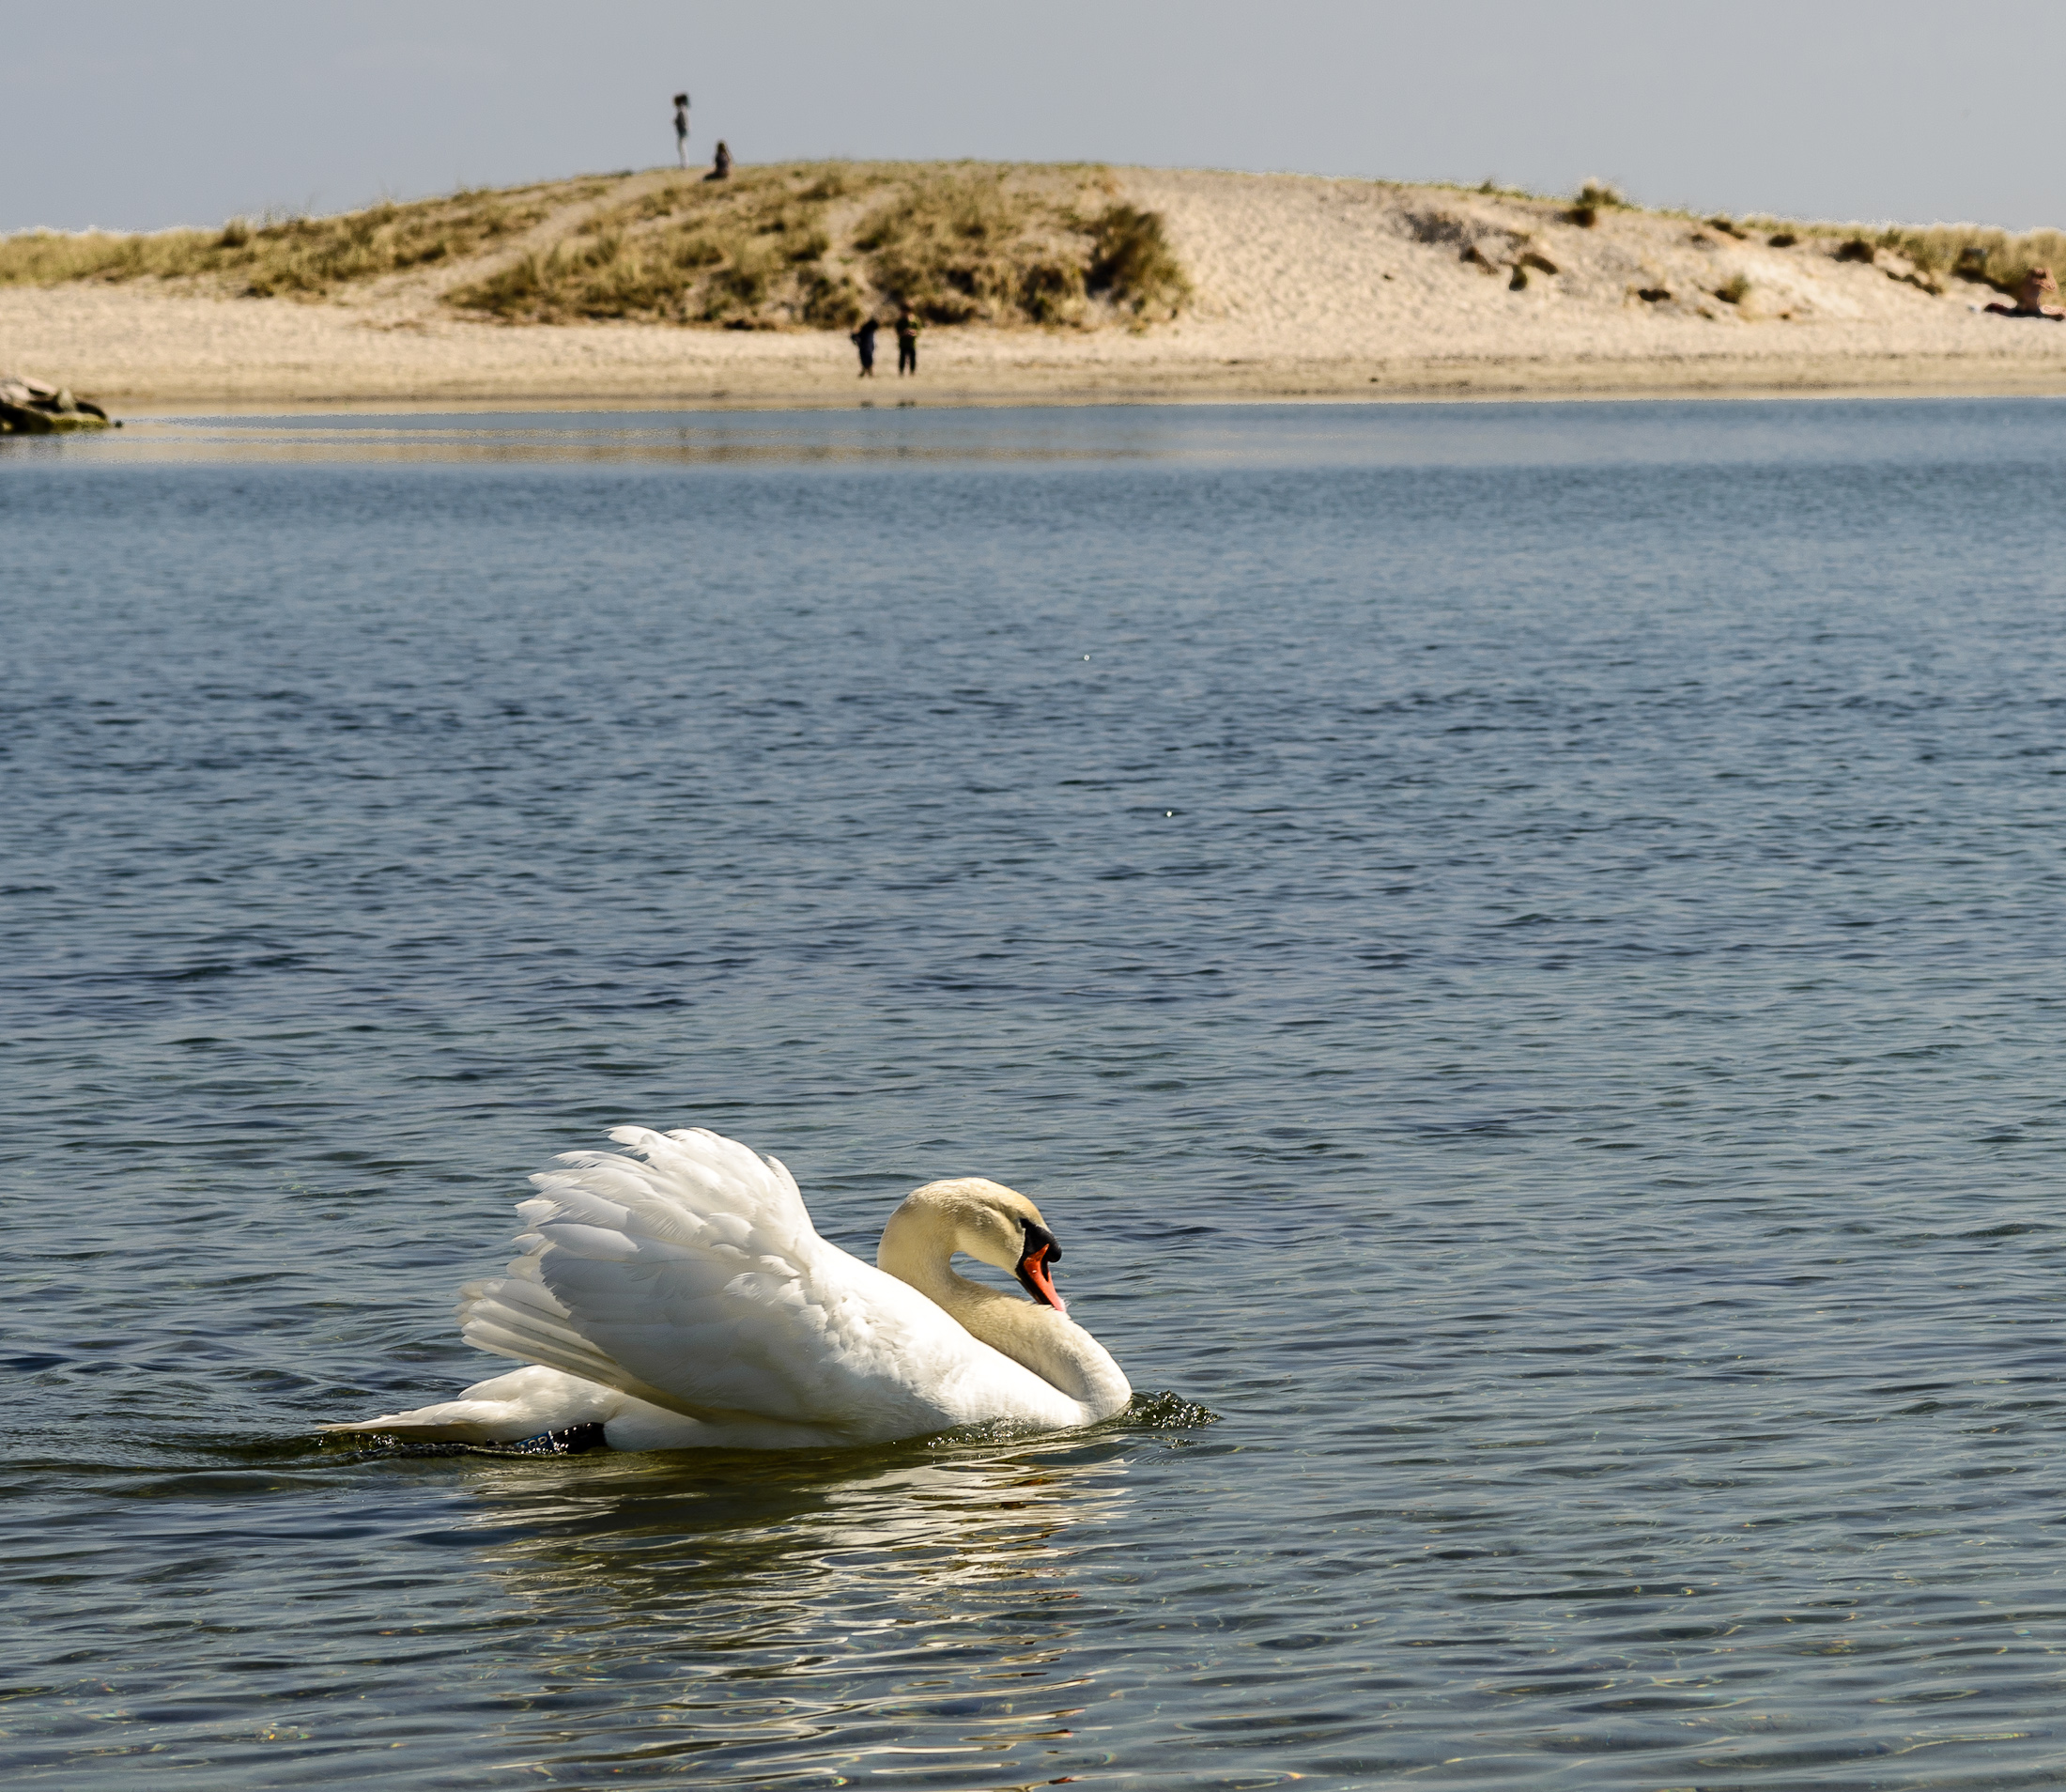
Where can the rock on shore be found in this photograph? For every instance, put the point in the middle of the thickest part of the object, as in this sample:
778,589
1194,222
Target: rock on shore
37,407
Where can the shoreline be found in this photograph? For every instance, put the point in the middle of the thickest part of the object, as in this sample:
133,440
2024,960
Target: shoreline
1825,379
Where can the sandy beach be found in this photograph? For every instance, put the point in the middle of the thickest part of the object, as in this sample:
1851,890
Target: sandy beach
1304,288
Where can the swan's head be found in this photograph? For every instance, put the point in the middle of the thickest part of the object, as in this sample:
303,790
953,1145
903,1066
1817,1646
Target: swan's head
985,1220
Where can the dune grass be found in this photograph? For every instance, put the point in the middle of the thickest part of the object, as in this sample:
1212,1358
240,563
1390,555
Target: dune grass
747,253
819,245
1967,252
1935,254
812,245
989,245
1133,263
969,245
299,257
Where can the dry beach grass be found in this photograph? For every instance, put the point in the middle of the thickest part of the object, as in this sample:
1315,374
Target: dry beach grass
1041,283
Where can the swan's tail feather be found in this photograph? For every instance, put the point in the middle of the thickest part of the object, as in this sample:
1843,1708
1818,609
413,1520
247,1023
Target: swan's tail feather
514,1316
517,1405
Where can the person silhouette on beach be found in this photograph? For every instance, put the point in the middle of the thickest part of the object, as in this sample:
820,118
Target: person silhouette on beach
2030,297
907,341
864,339
720,166
681,129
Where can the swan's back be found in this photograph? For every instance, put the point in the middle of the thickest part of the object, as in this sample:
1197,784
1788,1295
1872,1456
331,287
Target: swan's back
694,1279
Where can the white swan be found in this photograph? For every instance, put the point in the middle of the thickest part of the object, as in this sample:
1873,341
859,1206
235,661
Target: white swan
686,1300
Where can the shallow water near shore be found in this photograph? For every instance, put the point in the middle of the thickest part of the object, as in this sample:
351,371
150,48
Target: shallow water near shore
1517,947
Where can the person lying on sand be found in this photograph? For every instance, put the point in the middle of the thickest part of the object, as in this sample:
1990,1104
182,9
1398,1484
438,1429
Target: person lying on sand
2030,297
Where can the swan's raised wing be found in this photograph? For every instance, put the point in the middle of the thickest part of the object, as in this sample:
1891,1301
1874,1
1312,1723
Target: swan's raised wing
694,1279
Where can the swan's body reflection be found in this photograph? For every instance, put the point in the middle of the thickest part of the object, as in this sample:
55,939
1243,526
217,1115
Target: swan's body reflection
801,1615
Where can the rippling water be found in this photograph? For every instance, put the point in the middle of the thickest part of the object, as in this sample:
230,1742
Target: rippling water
1518,947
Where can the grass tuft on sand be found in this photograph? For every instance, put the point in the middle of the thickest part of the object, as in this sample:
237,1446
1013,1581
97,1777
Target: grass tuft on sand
1967,252
295,257
821,245
800,245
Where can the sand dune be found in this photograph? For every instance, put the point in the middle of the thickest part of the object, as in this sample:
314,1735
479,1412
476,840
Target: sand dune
1305,287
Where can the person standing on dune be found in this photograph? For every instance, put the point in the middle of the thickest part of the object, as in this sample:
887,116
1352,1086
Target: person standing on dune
681,129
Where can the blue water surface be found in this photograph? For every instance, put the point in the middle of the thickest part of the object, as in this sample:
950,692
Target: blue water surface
1518,947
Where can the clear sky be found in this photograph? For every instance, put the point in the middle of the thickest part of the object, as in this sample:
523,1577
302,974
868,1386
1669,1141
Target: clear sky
138,116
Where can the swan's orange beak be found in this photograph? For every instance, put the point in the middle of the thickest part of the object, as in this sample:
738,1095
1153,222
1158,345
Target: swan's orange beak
1034,1274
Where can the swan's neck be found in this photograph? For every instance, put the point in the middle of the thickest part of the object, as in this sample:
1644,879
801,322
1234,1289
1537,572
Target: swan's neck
1038,1338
